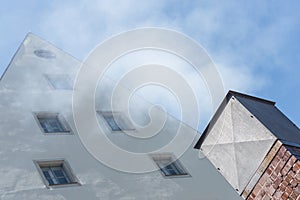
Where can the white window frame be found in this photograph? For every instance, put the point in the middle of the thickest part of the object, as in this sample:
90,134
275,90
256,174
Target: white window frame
162,160
61,163
63,123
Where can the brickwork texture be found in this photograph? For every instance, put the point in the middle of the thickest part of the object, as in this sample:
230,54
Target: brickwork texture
281,179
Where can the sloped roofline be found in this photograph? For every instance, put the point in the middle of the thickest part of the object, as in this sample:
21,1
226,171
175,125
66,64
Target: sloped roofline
220,109
234,93
18,49
13,57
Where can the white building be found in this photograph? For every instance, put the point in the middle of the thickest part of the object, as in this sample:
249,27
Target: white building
42,156
249,149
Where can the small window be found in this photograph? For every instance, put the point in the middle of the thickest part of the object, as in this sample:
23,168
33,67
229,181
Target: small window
43,53
117,121
112,123
168,165
56,173
59,81
52,123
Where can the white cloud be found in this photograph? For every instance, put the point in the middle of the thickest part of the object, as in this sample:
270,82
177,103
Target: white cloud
78,27
246,40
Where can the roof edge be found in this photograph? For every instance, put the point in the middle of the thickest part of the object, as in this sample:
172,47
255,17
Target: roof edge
234,93
220,109
14,55
19,47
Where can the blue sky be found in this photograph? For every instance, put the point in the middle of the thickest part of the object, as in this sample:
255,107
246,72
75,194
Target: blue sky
255,44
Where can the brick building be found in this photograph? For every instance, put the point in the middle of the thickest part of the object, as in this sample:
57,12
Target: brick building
255,147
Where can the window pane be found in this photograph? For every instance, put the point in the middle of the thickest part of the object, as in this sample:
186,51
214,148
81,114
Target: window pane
169,170
55,175
51,125
116,121
60,175
168,167
48,177
58,172
112,123
62,180
60,81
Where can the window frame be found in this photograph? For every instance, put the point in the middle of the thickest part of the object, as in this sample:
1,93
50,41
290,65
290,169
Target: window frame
50,80
51,163
123,123
173,161
60,118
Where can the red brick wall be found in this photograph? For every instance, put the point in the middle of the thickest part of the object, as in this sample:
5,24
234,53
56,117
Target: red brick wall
281,179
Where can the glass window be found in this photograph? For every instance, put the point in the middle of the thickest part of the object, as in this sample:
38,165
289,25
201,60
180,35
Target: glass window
168,165
56,172
43,53
52,123
59,81
112,123
55,175
117,121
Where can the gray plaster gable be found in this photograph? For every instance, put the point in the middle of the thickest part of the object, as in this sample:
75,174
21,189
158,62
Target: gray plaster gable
237,143
241,133
265,111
